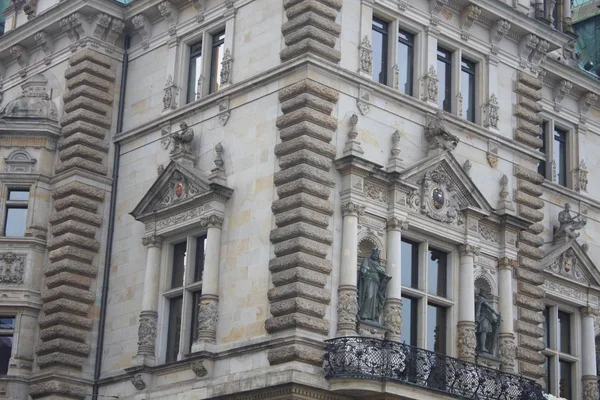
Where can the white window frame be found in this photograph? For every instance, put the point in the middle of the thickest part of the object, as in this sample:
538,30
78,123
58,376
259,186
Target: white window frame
549,175
424,298
7,187
187,291
555,356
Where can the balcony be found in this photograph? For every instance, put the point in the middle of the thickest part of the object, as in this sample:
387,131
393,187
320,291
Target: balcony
375,359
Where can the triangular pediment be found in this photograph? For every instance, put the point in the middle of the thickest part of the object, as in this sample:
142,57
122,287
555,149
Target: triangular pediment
177,186
444,172
569,261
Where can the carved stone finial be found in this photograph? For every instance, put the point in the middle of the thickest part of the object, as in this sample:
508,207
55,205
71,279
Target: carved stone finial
582,176
491,110
505,202
395,162
569,224
170,95
438,135
429,82
217,174
226,65
352,144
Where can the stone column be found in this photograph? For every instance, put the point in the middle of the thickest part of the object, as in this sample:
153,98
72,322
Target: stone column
506,340
148,316
588,361
347,292
209,300
466,340
392,311
567,22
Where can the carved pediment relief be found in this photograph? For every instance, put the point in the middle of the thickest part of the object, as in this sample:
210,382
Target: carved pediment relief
569,261
443,189
176,188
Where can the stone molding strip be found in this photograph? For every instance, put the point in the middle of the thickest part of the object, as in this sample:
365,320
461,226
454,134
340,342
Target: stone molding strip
74,225
529,296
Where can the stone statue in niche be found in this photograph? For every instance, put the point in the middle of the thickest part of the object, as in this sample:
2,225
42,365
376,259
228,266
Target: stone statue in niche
372,282
487,324
569,224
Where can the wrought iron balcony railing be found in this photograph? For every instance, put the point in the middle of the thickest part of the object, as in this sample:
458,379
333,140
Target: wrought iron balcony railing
369,358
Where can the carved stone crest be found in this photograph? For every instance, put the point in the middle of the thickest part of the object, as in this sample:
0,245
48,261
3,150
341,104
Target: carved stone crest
438,198
138,382
567,265
12,268
198,369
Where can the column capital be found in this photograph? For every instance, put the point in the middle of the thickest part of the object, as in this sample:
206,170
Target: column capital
152,241
396,224
469,250
507,263
212,221
351,208
588,311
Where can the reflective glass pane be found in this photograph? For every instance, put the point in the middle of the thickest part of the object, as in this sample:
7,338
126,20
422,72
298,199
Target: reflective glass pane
174,335
564,381
195,72
564,332
199,262
542,164
179,253
379,44
5,352
7,322
405,62
436,272
436,328
467,90
195,302
18,195
408,332
16,218
560,156
547,326
444,72
410,263
216,61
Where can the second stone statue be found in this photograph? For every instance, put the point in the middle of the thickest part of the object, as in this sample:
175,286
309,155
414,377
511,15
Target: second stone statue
372,283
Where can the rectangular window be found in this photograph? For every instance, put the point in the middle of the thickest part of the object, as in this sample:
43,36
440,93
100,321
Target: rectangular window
7,328
410,263
444,72
560,358
218,45
559,156
187,267
467,89
544,149
564,380
379,46
436,272
405,61
564,332
436,328
195,73
408,332
15,219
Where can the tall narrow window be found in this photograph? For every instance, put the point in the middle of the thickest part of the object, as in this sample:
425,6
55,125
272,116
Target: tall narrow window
559,156
560,357
410,263
444,72
15,219
379,45
436,328
216,59
436,274
405,61
467,83
544,149
187,266
7,329
408,333
195,73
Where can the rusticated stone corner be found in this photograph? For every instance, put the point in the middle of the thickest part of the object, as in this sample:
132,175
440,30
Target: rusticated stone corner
529,298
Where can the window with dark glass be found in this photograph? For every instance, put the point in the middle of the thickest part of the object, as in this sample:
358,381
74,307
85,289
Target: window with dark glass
544,149
187,266
559,156
436,274
15,219
436,328
405,61
216,58
195,73
560,357
444,72
379,46
408,332
467,83
410,263
7,328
